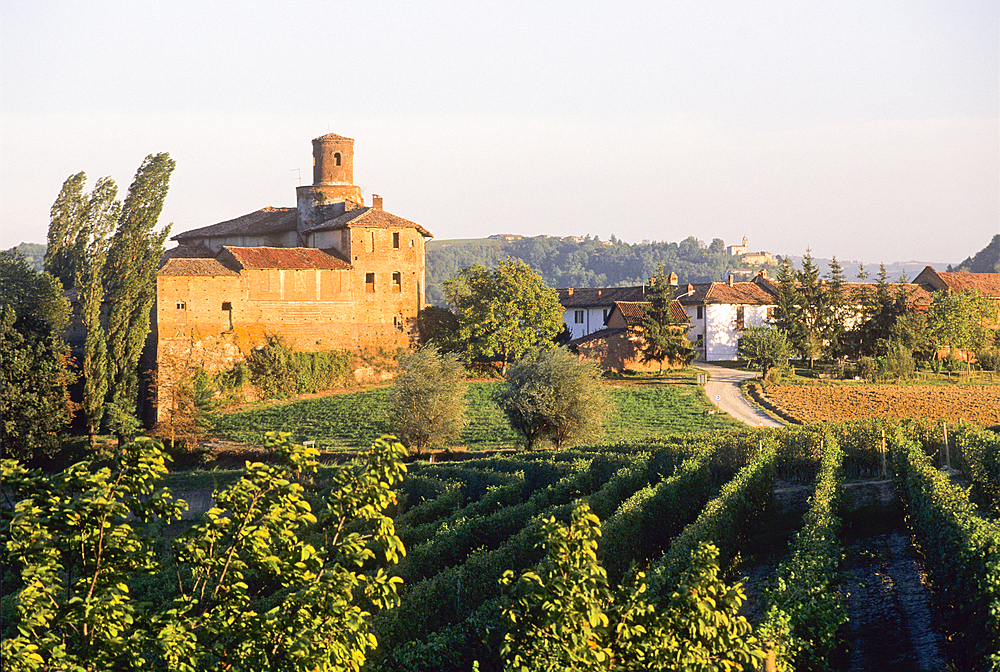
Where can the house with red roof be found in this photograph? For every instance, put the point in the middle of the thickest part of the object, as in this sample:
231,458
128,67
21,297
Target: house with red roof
331,273
616,347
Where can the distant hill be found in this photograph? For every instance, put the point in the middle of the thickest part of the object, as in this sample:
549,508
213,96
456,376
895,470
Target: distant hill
34,253
987,260
894,270
586,261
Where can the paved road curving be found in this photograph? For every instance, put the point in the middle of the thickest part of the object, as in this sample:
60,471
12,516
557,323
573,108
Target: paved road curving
723,388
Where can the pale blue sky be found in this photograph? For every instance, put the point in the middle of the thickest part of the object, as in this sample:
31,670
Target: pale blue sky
866,130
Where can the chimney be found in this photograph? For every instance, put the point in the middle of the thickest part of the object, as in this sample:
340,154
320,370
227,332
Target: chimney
569,292
730,279
376,202
673,279
690,288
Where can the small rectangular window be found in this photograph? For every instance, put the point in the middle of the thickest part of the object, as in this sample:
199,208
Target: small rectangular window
397,322
395,240
739,317
701,313
397,282
181,305
578,316
226,305
370,282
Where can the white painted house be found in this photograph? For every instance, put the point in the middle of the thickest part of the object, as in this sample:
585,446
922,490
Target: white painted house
719,312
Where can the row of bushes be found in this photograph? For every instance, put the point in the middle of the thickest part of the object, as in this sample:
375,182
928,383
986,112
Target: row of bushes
961,550
449,619
805,611
980,455
724,521
646,522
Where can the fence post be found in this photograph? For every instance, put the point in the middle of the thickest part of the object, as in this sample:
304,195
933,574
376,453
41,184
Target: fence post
881,451
947,454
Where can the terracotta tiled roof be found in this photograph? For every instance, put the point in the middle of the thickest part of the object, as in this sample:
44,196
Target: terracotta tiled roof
282,257
987,284
634,312
917,295
199,267
604,296
746,293
603,333
262,222
187,252
368,217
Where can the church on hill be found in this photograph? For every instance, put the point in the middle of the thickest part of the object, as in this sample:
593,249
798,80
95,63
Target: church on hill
329,274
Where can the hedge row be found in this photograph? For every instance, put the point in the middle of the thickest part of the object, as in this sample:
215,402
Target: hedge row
805,611
980,452
961,549
442,618
646,522
724,521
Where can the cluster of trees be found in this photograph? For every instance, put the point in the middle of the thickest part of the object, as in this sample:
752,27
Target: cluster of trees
548,394
107,252
591,263
823,317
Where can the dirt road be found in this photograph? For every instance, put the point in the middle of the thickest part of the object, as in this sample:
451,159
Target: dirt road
723,388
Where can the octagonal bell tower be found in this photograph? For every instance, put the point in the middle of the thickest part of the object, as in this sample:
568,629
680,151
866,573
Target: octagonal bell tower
332,191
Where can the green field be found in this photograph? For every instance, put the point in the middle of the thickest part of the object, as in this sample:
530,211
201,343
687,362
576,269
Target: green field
640,408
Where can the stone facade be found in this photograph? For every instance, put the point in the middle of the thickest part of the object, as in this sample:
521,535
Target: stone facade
329,274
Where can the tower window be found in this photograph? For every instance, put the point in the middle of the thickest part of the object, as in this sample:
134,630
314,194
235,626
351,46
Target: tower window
397,282
370,282
181,305
395,240
336,158
226,305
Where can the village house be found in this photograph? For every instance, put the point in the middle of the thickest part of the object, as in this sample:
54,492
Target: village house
720,311
328,274
987,284
616,347
586,310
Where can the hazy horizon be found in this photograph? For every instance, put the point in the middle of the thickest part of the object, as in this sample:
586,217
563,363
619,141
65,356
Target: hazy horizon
865,131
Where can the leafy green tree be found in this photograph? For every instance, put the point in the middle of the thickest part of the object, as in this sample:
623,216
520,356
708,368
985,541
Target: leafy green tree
428,399
786,311
551,394
960,321
664,337
263,584
565,616
504,311
130,284
439,326
764,348
34,360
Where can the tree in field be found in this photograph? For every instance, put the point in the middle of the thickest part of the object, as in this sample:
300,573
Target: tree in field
664,337
961,321
130,284
764,348
428,399
836,310
565,616
34,360
439,326
786,312
504,311
264,583
552,394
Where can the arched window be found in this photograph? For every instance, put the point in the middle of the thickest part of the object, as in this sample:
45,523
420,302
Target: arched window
336,158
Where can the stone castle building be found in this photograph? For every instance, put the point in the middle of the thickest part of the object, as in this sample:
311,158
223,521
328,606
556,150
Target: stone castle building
328,274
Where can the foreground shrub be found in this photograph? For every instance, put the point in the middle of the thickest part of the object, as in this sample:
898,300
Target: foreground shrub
566,616
251,590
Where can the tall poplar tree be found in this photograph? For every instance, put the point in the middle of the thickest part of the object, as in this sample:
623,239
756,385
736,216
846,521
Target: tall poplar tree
130,285
66,219
93,241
